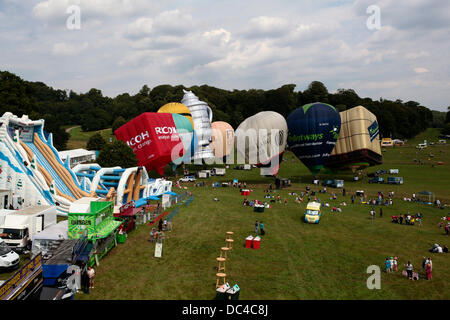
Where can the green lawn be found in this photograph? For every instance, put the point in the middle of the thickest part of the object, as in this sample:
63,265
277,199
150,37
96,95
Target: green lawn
79,138
296,260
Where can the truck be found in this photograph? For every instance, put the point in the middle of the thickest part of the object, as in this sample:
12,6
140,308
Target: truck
204,174
218,171
19,227
312,213
8,258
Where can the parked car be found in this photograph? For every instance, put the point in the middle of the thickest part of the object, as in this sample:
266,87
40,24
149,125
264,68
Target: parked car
333,183
187,179
395,180
376,180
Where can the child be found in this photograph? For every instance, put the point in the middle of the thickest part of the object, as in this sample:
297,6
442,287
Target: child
388,265
395,264
391,263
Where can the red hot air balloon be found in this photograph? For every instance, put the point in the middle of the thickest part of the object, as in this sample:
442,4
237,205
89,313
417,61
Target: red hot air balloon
155,138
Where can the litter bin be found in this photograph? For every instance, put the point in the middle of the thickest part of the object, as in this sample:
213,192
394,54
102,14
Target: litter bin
258,208
121,238
256,242
248,241
233,293
221,292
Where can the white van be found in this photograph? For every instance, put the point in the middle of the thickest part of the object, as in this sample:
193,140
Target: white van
8,258
20,226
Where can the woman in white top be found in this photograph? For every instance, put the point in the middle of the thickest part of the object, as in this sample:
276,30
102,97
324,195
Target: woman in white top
91,275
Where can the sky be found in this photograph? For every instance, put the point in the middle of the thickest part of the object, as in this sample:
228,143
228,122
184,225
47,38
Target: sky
394,49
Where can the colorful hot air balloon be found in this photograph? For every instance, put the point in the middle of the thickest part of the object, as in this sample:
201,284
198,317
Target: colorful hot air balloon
181,109
178,108
313,132
266,133
157,139
222,139
358,145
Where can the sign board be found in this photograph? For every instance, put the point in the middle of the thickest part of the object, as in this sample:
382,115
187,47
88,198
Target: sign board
165,200
158,250
25,277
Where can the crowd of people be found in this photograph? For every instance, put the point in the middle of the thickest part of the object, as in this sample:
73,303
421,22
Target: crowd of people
391,265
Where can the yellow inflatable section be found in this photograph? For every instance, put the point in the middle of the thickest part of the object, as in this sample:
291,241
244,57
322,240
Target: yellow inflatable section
178,108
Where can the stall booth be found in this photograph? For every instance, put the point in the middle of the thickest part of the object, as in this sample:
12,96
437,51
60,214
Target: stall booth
95,219
426,197
127,215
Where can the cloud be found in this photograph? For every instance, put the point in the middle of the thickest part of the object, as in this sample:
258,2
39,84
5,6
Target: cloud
421,70
233,45
267,27
67,49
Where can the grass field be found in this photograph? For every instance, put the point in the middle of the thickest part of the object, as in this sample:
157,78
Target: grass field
296,260
78,138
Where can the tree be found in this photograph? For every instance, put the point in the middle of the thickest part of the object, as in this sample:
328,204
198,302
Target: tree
447,117
117,153
96,142
316,92
120,121
446,129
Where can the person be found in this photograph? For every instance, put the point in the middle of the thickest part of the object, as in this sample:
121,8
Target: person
256,226
372,214
343,192
401,219
387,263
428,270
261,228
165,224
353,199
409,270
381,212
395,264
85,282
391,263
160,225
91,275
424,262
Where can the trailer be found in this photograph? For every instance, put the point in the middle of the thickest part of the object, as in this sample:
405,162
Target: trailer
218,171
19,227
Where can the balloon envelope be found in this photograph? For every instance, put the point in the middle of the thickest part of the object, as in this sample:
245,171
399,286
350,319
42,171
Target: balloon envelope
358,145
313,131
178,108
261,140
222,139
157,139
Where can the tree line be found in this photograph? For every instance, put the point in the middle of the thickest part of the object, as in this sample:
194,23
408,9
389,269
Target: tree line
94,111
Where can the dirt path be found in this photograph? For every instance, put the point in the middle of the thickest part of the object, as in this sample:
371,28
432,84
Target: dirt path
68,129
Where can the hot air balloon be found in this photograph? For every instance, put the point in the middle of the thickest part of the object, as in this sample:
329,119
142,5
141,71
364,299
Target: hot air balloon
157,139
178,108
181,109
261,140
358,145
222,139
202,117
313,132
